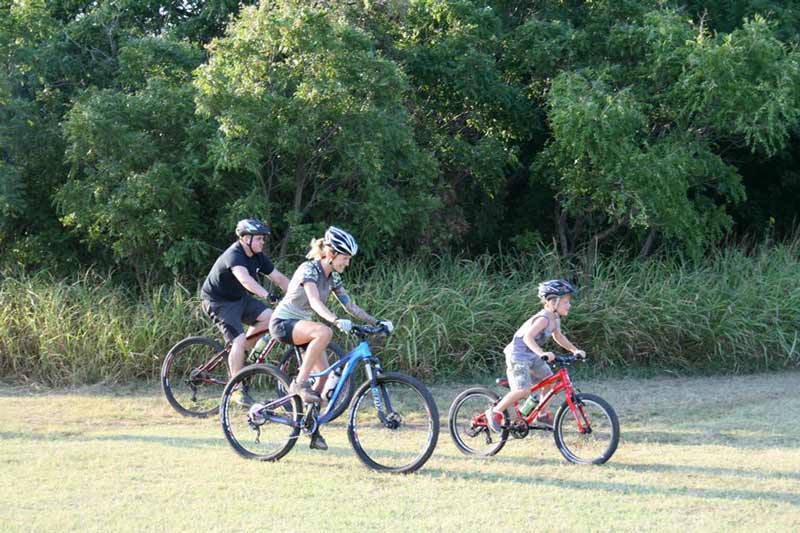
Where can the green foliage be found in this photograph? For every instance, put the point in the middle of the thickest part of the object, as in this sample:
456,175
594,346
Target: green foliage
649,159
311,116
134,164
422,126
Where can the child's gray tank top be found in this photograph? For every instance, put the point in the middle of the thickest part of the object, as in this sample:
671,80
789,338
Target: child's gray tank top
517,351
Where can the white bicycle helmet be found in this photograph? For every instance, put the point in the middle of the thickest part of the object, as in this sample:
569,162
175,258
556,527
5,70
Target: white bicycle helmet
340,241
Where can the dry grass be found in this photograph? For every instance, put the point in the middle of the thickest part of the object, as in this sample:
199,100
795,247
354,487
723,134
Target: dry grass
711,454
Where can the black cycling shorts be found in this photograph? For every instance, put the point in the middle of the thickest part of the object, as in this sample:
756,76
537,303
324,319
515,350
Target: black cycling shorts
282,329
230,316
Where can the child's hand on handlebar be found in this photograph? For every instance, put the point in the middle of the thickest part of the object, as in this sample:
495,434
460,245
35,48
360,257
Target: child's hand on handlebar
580,354
548,356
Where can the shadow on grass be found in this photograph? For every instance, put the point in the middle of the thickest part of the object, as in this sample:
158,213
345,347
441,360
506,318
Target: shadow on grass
75,436
619,488
703,470
704,437
179,442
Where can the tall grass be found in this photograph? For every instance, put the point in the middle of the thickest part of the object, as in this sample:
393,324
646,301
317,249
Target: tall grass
88,330
735,312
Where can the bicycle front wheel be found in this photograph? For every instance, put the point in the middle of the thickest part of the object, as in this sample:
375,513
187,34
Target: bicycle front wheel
193,376
591,434
467,423
268,429
393,427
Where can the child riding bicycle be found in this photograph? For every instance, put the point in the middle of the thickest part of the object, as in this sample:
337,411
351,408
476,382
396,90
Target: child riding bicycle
524,354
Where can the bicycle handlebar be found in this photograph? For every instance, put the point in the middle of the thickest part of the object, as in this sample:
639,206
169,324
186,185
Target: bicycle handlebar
565,360
365,329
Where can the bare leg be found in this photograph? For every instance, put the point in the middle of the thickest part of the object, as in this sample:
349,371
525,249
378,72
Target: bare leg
240,344
317,336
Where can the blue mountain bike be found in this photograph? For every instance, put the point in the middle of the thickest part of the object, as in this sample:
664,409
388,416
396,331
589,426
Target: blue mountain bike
393,424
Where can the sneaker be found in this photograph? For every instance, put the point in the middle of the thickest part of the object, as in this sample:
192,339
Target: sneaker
494,420
242,397
304,390
545,419
317,442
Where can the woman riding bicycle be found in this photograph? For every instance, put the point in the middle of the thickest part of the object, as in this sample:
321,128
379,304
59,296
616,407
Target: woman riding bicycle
308,290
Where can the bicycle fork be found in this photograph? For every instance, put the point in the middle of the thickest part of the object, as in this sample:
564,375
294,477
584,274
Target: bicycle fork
576,407
380,397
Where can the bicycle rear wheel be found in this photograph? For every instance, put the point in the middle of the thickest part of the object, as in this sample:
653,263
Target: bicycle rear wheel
193,376
289,365
467,423
597,441
262,431
398,435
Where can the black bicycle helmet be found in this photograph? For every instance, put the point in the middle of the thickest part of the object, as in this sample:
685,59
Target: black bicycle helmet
251,226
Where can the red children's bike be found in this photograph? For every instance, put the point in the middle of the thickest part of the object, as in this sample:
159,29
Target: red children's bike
585,428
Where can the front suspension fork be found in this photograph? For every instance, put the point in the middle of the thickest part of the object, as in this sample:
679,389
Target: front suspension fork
380,397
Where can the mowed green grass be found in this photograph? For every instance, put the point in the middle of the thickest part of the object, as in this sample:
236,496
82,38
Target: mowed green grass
710,454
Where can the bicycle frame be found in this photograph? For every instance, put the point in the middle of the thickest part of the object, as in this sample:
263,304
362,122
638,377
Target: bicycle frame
219,357
361,352
561,382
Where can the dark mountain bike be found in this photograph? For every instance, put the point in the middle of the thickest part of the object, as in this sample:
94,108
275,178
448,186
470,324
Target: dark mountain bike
195,372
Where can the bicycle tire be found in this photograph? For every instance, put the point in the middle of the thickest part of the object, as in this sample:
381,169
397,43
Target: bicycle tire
241,434
289,366
402,419
596,447
181,390
459,422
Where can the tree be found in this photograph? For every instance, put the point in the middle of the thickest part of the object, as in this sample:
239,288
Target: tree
625,155
312,130
136,162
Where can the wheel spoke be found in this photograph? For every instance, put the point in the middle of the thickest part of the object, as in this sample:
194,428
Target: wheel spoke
190,390
590,434
266,430
405,438
467,423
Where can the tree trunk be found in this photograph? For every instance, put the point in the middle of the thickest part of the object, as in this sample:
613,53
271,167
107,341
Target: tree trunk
648,243
561,225
300,178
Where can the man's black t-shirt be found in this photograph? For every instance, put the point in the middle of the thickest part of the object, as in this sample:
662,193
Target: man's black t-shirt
221,284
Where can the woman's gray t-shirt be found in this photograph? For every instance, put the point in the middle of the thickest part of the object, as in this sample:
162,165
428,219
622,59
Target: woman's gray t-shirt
295,304
517,351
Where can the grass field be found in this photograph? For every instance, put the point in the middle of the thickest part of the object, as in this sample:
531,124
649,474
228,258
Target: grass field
710,454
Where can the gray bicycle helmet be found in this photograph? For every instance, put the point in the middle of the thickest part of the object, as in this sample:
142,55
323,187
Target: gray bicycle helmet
251,226
340,241
555,288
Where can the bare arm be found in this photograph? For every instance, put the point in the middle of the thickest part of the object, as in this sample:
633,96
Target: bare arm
565,343
319,307
248,282
351,307
279,279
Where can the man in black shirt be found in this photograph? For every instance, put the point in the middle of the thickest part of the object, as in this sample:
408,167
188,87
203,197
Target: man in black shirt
226,291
